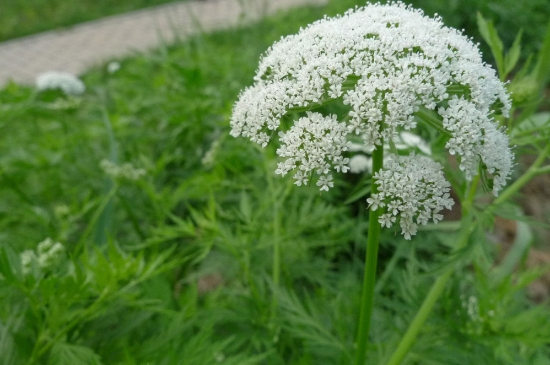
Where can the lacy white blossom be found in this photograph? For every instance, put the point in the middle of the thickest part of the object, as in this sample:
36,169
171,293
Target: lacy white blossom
47,255
412,188
314,143
124,171
384,62
476,138
69,84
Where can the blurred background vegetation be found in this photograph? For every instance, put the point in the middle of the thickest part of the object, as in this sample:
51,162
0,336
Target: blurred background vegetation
175,267
24,17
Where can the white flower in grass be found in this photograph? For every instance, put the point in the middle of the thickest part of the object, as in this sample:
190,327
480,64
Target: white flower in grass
49,253
385,62
113,67
125,171
411,187
27,257
360,163
69,84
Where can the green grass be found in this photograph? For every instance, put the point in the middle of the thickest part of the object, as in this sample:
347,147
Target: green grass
176,266
23,17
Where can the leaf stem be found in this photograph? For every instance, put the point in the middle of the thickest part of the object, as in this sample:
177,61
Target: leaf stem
435,292
533,171
467,227
367,298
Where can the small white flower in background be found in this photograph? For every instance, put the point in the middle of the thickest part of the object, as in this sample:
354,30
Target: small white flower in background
47,255
209,156
66,82
124,171
113,67
411,187
27,257
359,164
409,140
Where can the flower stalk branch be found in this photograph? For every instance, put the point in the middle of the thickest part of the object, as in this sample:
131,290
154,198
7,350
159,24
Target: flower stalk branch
468,227
367,298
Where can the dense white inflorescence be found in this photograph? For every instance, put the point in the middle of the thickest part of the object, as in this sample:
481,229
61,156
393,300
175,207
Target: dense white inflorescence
412,187
384,62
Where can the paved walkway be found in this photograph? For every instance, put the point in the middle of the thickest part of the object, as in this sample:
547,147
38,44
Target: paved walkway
76,49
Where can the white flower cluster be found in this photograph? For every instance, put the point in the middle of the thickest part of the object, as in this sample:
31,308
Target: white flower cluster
69,84
125,171
47,255
384,62
411,187
315,143
477,141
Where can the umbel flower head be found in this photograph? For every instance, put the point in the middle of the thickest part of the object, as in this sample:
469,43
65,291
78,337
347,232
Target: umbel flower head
385,62
412,186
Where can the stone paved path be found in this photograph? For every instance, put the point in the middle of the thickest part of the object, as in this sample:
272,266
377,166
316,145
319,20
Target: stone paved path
81,46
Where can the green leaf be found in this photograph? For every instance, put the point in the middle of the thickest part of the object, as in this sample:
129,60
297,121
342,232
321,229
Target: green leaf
432,119
358,194
522,243
490,35
512,57
10,264
536,125
542,69
67,354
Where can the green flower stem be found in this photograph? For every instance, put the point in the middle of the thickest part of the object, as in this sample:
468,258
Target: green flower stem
367,298
276,245
435,292
468,226
533,171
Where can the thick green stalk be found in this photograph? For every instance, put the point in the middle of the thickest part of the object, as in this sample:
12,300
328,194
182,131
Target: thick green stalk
276,245
425,309
367,298
468,226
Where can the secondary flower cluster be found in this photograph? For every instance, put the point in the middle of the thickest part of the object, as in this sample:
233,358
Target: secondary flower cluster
412,187
475,136
313,143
